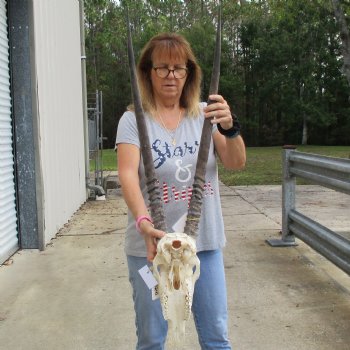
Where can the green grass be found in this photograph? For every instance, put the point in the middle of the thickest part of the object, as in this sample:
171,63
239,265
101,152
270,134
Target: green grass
263,167
109,160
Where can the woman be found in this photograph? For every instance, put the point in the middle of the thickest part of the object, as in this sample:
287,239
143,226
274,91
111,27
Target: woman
169,79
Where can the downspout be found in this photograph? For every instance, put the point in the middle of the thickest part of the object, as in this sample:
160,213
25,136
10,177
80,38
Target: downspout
97,189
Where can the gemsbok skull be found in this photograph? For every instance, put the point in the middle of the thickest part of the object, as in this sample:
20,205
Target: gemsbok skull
176,266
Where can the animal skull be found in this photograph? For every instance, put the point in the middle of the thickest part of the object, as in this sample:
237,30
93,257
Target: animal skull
176,268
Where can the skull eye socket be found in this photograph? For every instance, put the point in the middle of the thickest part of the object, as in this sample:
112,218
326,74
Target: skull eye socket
176,244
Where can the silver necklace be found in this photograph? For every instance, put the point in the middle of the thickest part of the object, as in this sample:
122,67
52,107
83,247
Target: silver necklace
171,134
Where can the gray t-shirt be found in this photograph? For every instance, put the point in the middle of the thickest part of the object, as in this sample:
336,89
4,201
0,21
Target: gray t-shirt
175,167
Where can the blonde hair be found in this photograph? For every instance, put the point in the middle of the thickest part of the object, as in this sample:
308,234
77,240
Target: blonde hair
171,45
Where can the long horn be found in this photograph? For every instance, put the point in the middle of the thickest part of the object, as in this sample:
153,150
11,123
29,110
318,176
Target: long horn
194,211
155,202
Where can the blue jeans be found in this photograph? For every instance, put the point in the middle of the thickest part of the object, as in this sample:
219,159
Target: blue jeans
209,305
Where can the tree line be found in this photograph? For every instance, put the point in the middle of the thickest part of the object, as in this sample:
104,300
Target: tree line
283,68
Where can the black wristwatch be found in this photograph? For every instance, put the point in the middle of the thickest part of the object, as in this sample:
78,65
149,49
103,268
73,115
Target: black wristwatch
232,132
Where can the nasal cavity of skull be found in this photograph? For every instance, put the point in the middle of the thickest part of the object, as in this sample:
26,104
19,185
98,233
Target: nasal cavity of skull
176,278
176,284
176,244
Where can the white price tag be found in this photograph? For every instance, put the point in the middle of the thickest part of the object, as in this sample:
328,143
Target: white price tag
148,277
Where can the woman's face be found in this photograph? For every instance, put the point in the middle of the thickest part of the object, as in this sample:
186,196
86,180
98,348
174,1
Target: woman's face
168,88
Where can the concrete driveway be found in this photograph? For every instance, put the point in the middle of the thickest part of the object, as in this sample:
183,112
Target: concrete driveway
75,295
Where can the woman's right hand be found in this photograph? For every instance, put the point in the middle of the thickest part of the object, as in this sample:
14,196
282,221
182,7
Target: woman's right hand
151,236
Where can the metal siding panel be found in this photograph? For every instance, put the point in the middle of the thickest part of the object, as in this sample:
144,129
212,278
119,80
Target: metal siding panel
58,65
8,221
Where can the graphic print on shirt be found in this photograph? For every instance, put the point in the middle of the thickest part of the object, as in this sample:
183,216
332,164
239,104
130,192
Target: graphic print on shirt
183,172
172,193
164,151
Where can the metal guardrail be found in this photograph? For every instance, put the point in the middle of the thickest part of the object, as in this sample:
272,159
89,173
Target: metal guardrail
325,171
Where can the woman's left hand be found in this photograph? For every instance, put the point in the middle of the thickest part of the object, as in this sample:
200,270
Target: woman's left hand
219,111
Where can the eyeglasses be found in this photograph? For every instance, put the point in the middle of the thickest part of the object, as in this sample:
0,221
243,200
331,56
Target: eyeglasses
163,72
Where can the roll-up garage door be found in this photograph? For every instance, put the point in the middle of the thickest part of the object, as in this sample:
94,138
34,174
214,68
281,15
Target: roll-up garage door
8,222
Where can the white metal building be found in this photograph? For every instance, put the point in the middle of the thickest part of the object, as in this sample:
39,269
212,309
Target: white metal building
43,166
